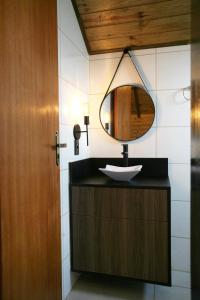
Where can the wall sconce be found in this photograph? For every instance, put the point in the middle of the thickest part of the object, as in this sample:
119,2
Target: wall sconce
107,126
77,134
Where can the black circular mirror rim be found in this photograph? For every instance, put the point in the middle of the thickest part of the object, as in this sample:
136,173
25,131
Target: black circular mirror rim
135,85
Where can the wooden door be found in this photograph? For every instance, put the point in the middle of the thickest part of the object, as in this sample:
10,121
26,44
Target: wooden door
29,194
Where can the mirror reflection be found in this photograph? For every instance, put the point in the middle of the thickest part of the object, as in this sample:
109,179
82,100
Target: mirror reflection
127,112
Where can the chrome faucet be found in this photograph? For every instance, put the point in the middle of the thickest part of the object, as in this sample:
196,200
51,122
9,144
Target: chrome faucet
125,155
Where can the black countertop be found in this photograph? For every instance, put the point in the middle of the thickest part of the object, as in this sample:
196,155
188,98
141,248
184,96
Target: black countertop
154,173
140,182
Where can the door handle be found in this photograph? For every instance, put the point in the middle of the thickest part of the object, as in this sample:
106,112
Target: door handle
58,146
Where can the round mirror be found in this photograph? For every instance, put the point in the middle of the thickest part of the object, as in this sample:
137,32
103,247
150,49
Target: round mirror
127,112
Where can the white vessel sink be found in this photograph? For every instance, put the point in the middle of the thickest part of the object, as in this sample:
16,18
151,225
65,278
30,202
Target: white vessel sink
121,173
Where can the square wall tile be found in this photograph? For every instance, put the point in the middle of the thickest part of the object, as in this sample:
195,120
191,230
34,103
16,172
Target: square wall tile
102,71
146,65
146,145
64,185
174,143
181,279
68,23
103,145
172,109
105,56
74,66
69,57
153,95
84,150
173,70
65,235
174,48
179,175
171,293
65,246
143,51
59,52
126,74
94,106
180,254
65,224
72,103
180,218
66,278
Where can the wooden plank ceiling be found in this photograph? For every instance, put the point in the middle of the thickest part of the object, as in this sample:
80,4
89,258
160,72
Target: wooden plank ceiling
112,25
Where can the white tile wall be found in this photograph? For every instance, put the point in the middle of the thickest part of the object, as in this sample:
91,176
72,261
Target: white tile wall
166,71
146,145
180,254
73,96
180,181
172,109
67,22
181,279
180,217
172,293
173,70
102,71
64,179
174,143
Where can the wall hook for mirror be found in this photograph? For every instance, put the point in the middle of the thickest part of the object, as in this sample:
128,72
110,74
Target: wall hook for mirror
126,51
77,134
187,89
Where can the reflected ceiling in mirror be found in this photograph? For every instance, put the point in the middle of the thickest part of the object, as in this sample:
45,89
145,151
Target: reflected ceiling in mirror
127,112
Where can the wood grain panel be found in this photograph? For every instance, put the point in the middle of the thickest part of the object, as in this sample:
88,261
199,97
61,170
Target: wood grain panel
124,248
140,15
90,6
135,204
30,213
140,41
120,231
155,26
113,25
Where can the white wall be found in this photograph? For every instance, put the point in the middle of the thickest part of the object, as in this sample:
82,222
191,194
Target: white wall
73,97
166,71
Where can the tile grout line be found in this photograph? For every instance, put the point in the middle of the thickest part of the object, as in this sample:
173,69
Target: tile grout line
147,54
150,90
73,85
74,44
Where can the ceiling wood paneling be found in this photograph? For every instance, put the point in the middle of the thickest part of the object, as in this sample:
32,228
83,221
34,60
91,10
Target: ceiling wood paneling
112,25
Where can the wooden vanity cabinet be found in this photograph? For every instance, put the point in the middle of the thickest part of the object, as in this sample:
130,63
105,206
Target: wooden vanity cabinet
122,232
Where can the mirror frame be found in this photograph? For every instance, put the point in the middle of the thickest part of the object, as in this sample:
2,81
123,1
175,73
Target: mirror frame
154,110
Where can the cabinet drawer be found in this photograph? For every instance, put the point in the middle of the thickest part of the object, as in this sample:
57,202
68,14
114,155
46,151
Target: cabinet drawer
135,204
135,249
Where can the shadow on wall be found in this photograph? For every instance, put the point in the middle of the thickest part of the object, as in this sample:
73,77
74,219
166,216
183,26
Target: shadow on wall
99,287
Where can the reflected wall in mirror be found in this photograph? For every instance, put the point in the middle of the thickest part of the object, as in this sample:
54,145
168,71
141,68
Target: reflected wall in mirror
127,112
